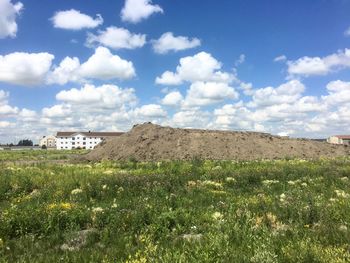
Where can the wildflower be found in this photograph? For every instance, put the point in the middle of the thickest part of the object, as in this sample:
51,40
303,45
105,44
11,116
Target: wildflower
97,210
217,216
291,182
1,243
230,179
108,172
76,191
332,200
104,187
269,182
304,184
344,178
343,228
212,184
341,193
283,197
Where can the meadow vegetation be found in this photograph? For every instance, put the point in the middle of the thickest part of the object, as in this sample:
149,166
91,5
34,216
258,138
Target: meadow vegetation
195,211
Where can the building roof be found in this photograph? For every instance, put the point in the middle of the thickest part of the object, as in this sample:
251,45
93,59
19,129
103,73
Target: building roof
92,134
346,137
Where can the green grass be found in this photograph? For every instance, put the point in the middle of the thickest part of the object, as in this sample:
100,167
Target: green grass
199,211
37,155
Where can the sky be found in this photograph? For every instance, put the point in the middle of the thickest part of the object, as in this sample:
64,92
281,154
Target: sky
281,67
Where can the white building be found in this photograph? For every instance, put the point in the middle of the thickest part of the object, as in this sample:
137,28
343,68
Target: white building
82,140
48,141
339,139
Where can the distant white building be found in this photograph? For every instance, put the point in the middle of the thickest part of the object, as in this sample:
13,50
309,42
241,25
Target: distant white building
48,141
82,140
339,139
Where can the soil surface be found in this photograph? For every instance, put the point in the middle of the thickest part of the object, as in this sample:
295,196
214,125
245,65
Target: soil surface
150,142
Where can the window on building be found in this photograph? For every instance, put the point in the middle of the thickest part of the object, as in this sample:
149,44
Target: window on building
84,138
84,143
73,138
73,143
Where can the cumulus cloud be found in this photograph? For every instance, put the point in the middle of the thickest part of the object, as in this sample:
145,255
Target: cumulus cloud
281,58
207,93
117,38
135,11
104,65
27,69
150,111
56,111
339,92
101,65
173,98
308,66
200,67
8,14
285,93
5,109
168,42
75,20
105,96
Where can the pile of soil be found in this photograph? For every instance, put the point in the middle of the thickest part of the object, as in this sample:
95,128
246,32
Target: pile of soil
149,142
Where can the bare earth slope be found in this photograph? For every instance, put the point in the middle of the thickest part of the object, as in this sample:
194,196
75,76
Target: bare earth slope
149,142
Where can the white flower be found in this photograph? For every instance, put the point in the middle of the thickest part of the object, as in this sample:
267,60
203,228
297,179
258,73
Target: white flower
230,179
282,197
76,191
341,193
291,182
304,184
269,182
343,228
217,216
104,187
96,210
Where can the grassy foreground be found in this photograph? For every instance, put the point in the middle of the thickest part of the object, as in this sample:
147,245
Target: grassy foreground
199,211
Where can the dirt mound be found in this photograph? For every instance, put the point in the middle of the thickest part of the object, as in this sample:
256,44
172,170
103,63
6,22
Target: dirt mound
149,142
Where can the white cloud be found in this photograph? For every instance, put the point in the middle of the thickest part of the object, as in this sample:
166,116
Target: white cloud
168,42
281,58
150,111
27,69
286,93
57,111
136,10
8,15
207,93
172,99
105,96
117,38
200,67
240,60
101,65
75,20
66,72
192,118
169,78
308,66
6,124
104,65
339,92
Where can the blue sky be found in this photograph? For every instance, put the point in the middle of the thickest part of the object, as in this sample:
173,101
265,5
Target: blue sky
273,66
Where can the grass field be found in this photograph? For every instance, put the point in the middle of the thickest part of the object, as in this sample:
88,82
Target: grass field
199,211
